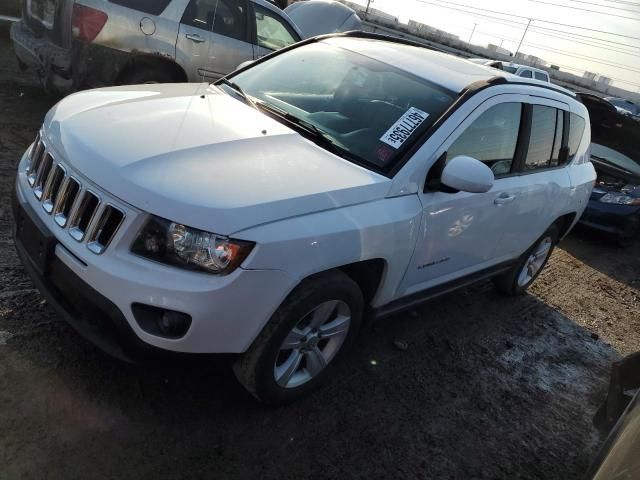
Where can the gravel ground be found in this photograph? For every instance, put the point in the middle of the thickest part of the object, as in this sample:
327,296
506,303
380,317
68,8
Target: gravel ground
488,387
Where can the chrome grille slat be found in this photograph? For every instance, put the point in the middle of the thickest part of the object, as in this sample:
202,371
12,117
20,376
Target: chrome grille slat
43,172
107,223
66,200
75,207
36,158
52,187
83,215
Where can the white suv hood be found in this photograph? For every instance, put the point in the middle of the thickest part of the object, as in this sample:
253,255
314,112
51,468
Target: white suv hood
192,154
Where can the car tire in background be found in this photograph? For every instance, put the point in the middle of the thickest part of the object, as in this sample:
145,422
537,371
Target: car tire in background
147,74
530,264
303,341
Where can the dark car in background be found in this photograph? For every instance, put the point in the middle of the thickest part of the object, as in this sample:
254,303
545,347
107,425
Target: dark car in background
614,206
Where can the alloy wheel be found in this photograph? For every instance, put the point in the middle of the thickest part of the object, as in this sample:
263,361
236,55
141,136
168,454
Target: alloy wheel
312,343
535,261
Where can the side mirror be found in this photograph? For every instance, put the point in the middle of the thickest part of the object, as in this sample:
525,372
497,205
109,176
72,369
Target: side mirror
467,175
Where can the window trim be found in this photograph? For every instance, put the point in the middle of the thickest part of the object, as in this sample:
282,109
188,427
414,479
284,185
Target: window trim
253,37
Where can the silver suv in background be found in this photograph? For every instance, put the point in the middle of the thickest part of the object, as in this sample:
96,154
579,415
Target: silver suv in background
520,70
91,43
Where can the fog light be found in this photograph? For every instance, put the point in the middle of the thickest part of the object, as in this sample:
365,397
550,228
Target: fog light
160,321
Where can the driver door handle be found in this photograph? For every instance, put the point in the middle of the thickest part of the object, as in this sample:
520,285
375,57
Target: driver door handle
194,37
504,198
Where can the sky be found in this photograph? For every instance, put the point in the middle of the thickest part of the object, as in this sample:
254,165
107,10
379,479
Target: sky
619,61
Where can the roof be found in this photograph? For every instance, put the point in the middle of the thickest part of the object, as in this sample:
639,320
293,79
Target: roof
451,72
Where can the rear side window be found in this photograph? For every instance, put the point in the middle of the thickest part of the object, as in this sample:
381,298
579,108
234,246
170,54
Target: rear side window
546,138
225,17
152,7
576,130
271,31
526,74
541,76
491,138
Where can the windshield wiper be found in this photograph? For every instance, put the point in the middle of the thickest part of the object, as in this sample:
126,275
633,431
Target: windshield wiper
309,128
238,89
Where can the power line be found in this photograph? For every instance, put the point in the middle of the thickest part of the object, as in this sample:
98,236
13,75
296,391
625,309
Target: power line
538,20
584,57
590,44
535,27
606,6
586,10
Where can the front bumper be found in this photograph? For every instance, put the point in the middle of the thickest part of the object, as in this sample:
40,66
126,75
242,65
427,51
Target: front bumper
623,220
93,290
52,63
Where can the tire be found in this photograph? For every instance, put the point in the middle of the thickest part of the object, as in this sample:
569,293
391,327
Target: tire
147,74
267,358
515,281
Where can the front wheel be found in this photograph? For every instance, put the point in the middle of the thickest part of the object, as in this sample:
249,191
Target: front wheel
518,279
304,339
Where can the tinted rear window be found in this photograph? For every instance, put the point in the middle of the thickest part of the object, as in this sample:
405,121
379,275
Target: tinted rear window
576,129
540,76
152,7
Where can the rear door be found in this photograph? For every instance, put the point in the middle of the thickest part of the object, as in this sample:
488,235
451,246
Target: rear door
271,31
213,38
545,184
50,19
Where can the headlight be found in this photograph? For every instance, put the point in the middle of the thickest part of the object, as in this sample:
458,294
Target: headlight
619,198
176,244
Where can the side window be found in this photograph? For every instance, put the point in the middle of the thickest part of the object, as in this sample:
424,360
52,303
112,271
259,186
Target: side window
152,7
491,138
542,145
576,129
541,76
271,31
225,17
526,74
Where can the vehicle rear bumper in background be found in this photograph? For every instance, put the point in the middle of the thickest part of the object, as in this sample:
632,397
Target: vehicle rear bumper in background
611,218
52,63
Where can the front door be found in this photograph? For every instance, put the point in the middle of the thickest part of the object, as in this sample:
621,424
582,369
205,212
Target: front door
462,232
213,38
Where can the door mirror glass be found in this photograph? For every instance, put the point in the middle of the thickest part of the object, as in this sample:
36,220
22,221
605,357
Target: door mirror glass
467,174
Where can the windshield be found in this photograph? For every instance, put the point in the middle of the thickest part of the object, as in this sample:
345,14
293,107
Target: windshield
616,158
367,109
621,103
509,69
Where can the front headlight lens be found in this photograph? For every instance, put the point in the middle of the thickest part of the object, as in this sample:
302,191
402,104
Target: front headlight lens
619,198
176,244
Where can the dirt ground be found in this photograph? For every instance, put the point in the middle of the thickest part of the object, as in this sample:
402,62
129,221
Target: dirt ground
488,388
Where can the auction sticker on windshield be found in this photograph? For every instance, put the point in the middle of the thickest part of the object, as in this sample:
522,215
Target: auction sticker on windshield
404,127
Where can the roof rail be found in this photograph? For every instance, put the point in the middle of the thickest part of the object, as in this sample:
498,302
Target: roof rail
380,36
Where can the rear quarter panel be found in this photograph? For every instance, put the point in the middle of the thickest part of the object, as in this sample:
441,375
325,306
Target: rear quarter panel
123,32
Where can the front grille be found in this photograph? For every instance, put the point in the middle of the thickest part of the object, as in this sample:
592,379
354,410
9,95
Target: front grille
75,207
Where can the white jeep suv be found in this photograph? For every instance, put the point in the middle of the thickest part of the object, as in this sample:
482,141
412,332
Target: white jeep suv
265,215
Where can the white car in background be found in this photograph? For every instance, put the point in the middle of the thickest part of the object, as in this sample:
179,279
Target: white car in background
343,175
520,70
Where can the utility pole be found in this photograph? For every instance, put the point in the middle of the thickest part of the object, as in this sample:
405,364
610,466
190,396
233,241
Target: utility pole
472,32
522,39
366,12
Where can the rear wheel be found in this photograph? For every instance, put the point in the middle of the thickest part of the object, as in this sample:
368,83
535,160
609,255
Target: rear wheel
518,279
304,339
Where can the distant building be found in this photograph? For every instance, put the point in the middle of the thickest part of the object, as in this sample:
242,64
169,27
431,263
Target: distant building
496,49
589,76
